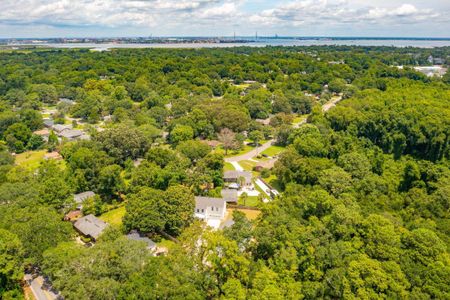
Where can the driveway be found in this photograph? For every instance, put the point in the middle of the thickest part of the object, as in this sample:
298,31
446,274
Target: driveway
237,166
250,154
36,288
327,106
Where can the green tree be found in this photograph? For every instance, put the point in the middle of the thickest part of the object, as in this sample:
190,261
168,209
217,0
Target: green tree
228,139
54,187
47,93
180,134
17,136
194,150
110,182
145,211
53,141
335,180
256,136
123,142
11,260
355,163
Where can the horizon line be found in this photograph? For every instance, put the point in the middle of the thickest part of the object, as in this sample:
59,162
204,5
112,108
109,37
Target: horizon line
233,37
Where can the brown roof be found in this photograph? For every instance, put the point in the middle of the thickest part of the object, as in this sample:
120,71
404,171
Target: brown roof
72,215
212,144
42,132
52,155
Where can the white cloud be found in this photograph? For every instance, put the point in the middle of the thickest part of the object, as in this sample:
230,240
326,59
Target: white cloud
223,16
339,12
112,12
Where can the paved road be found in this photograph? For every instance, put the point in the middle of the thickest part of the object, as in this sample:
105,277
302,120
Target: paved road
36,287
237,166
255,152
250,154
327,106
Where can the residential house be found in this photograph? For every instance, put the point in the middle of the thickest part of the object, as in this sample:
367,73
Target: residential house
265,122
71,134
52,155
213,144
58,128
230,195
135,236
66,101
44,133
48,123
236,176
211,210
90,226
79,198
72,215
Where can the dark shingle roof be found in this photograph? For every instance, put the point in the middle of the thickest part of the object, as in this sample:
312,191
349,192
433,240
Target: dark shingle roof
90,226
230,195
79,198
135,236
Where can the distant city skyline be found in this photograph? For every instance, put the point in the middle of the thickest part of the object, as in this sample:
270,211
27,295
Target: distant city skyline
131,18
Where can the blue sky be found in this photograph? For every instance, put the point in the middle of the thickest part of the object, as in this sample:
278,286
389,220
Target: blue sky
96,18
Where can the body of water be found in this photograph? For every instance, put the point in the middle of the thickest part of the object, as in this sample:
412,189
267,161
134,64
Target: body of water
420,43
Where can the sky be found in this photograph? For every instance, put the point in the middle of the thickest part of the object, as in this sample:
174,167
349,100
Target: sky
123,18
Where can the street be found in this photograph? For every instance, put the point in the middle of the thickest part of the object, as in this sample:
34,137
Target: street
36,285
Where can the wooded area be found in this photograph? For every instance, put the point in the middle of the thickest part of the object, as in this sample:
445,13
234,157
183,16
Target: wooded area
365,186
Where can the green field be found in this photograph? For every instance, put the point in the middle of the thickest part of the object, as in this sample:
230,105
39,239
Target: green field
251,201
273,181
30,159
247,164
114,217
232,153
273,150
228,167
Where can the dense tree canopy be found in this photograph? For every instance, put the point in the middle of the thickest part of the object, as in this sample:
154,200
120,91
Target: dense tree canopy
365,186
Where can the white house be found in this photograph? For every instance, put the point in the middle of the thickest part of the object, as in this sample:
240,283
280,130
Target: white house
211,210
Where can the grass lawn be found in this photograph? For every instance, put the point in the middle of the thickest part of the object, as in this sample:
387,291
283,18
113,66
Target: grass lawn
300,118
251,201
242,86
273,150
232,153
247,164
166,244
228,167
114,217
30,159
249,213
273,181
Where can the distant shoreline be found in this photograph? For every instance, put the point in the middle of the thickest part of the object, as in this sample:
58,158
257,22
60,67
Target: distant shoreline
193,38
107,44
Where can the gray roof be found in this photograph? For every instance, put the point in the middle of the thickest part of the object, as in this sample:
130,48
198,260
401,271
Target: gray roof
234,185
90,226
204,202
237,174
67,101
71,133
135,236
230,195
48,122
79,198
61,127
